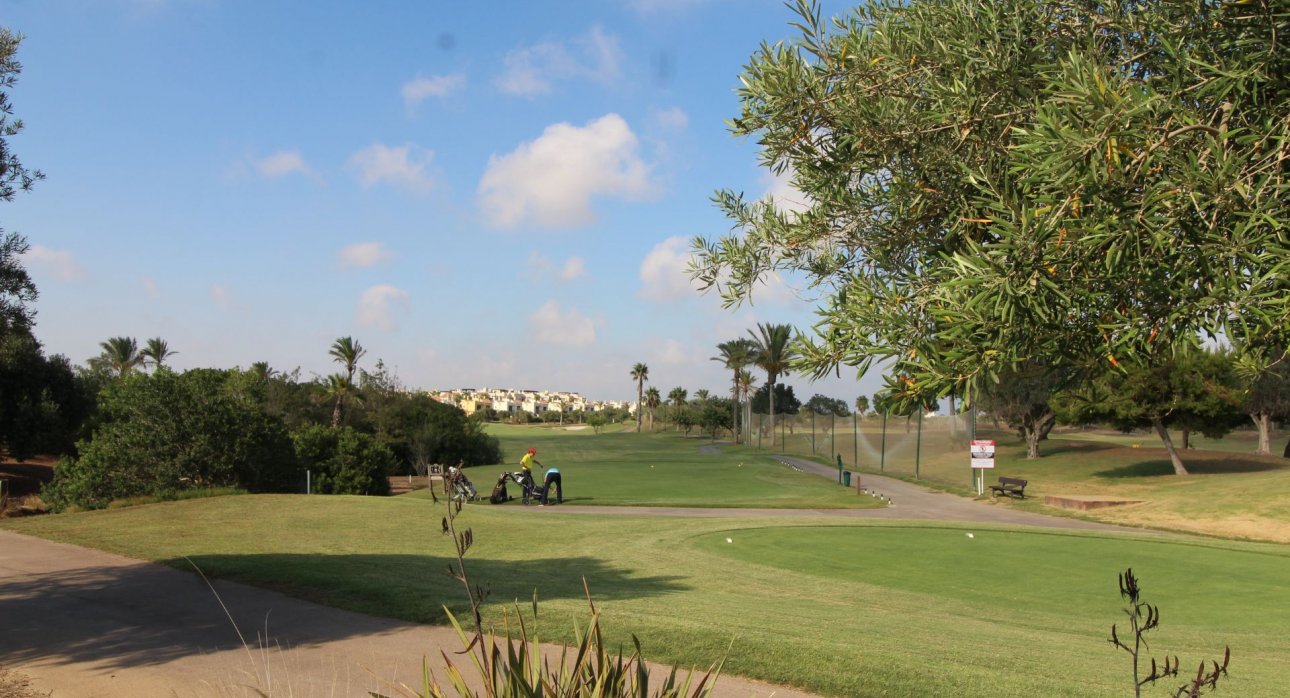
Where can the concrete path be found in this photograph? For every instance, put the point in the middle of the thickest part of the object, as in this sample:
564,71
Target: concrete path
88,624
911,501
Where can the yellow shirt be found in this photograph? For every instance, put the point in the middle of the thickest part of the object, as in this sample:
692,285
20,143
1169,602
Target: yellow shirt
526,463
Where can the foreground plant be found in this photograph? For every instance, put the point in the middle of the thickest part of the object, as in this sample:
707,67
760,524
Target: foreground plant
513,665
1143,617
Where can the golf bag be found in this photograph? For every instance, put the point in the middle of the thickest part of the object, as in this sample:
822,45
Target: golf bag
528,488
459,486
500,495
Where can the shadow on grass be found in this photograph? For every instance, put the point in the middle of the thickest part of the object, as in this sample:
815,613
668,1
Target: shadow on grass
146,615
1207,463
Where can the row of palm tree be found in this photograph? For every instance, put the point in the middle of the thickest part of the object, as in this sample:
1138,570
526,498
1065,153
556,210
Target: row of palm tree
769,348
121,356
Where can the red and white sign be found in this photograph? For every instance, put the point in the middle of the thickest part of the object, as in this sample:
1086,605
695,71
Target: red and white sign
982,454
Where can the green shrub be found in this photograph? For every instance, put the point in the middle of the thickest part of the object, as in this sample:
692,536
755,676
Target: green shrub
343,461
165,433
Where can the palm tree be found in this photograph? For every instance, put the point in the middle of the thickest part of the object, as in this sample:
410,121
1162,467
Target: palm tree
261,370
862,405
702,395
157,352
121,355
346,352
677,397
339,388
774,356
745,381
652,401
640,374
736,354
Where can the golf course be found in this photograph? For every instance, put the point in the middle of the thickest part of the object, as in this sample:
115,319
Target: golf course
837,603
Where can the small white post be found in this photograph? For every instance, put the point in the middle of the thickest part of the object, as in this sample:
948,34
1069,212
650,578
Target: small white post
308,482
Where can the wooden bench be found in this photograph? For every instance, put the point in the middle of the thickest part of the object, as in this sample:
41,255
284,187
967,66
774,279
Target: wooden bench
1011,487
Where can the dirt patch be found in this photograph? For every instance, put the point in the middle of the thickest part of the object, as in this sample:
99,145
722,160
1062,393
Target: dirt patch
15,685
1086,502
26,477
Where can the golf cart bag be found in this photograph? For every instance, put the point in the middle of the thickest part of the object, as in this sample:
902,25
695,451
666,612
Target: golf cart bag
528,488
460,487
500,495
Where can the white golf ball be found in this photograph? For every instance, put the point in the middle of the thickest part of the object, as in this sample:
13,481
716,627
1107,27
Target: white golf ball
728,540
970,536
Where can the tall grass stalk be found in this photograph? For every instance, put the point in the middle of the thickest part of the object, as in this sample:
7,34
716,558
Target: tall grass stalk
514,665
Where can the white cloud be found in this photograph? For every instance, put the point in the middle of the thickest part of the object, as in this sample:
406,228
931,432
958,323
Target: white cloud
532,70
283,163
403,166
222,296
780,189
663,275
649,7
565,328
376,306
672,353
573,269
364,254
417,90
539,268
550,181
673,119
57,263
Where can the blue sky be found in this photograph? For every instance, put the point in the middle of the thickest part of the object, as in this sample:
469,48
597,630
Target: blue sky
483,194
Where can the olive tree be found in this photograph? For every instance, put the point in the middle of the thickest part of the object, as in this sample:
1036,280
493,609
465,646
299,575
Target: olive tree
999,184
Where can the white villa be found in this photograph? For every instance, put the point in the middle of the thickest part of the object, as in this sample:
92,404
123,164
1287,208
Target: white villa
506,401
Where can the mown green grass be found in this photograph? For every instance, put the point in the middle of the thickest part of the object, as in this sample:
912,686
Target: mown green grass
1229,494
848,610
662,469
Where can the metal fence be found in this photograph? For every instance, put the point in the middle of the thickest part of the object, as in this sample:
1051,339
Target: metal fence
928,447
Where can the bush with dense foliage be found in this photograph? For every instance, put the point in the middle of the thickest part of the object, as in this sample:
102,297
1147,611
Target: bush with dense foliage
419,429
42,401
343,460
166,432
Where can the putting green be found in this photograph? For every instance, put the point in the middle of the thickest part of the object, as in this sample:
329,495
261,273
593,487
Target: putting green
1044,576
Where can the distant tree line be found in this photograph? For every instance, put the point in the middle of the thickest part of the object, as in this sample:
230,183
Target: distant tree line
127,426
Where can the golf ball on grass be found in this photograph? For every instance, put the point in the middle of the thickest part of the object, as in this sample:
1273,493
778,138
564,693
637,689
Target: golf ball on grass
728,540
970,536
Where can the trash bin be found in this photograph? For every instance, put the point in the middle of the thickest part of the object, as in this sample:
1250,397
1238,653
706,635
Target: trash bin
846,478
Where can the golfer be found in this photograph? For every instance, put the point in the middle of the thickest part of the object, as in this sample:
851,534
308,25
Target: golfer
526,468
552,480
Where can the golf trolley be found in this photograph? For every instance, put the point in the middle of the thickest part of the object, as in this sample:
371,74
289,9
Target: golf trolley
459,487
528,488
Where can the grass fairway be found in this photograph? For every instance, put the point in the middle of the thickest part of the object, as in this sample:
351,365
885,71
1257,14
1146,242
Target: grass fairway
846,610
663,469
